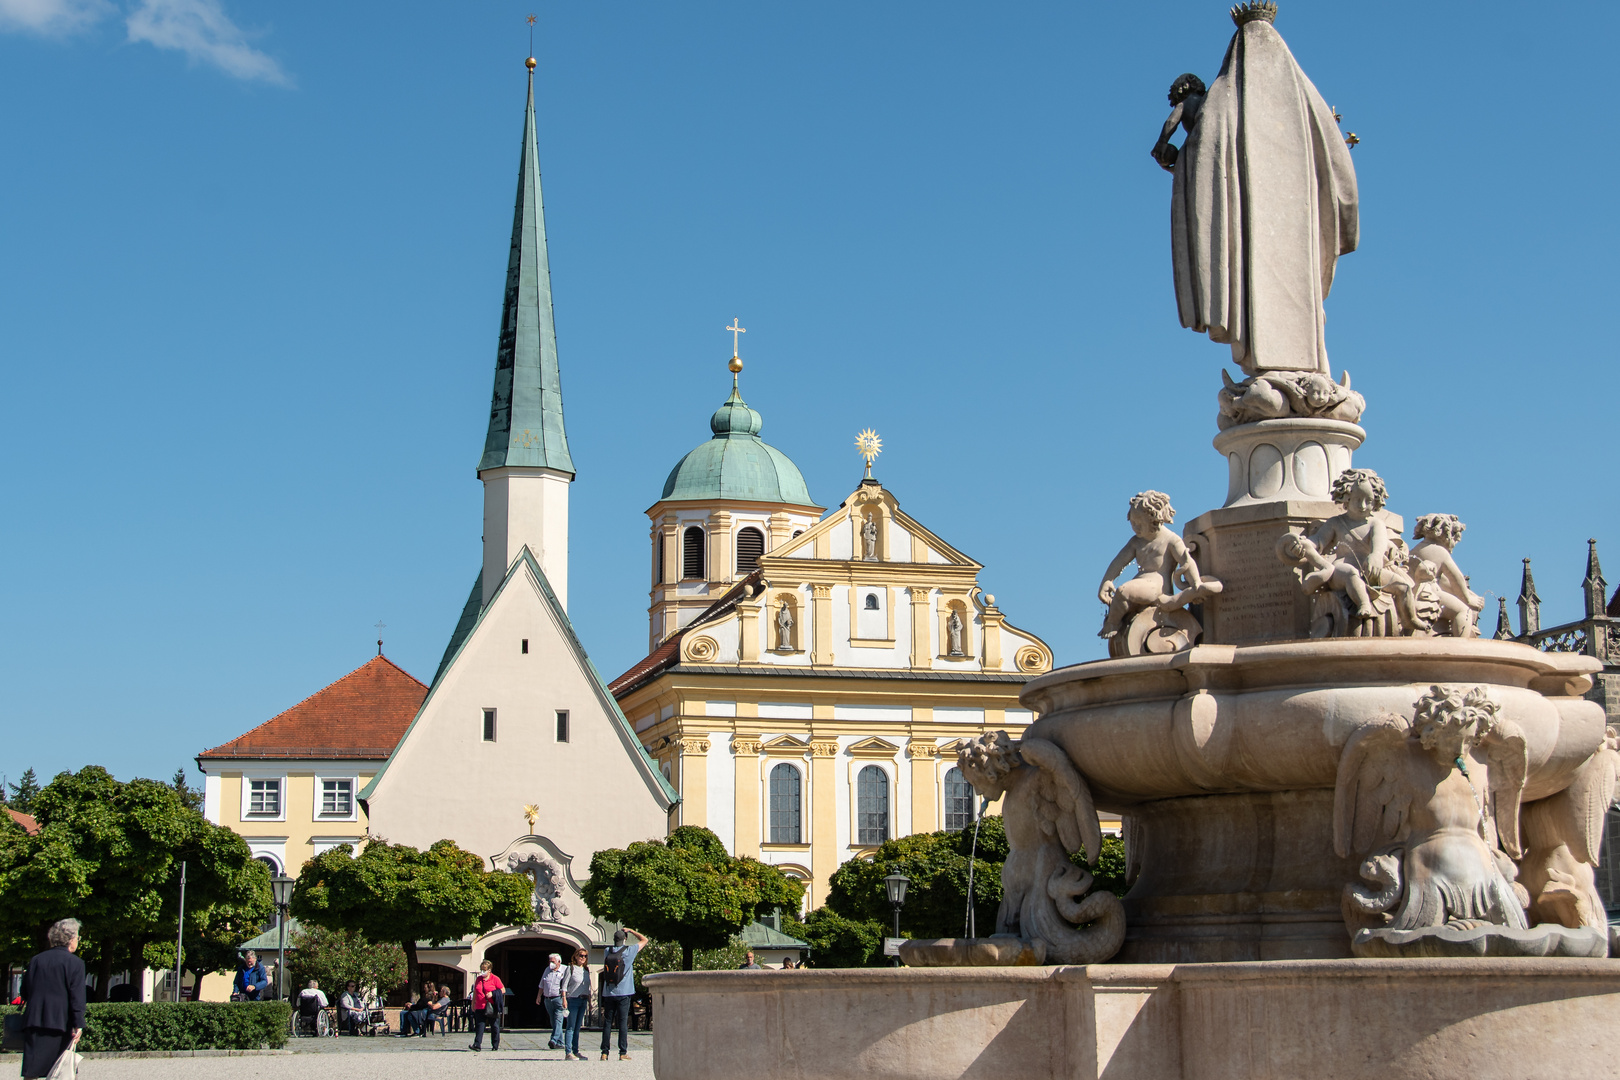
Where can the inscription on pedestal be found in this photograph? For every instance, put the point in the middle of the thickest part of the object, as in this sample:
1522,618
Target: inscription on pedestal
1262,595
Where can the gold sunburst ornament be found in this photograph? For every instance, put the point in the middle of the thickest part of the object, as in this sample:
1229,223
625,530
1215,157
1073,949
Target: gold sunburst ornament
869,446
531,813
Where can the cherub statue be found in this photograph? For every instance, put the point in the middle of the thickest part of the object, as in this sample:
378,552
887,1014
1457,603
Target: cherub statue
1432,807
1563,836
1154,606
1275,394
1353,557
1048,815
1440,583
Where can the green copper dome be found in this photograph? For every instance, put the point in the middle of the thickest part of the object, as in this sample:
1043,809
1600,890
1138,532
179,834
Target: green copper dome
737,464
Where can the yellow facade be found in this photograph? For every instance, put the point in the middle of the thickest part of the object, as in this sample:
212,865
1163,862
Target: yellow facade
865,672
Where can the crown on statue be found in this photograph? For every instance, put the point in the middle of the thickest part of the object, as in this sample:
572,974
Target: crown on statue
1252,10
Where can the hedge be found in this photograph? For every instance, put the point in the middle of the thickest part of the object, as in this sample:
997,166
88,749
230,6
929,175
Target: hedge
184,1025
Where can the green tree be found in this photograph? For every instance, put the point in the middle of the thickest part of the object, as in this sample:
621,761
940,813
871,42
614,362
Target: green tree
23,793
936,896
108,854
658,956
190,796
394,892
336,956
685,889
836,941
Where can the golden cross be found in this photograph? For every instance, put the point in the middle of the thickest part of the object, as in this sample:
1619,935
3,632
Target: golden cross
735,330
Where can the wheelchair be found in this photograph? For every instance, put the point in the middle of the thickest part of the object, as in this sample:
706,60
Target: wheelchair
309,1019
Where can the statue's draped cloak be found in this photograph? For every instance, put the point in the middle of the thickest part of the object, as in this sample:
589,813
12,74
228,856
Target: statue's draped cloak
1264,202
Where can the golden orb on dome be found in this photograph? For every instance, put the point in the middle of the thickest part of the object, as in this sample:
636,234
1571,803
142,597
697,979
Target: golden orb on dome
735,363
529,63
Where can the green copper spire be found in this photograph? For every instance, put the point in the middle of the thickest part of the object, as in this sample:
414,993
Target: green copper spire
526,412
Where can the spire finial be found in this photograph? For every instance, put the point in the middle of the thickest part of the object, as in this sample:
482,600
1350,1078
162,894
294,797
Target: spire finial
380,626
869,446
736,364
530,62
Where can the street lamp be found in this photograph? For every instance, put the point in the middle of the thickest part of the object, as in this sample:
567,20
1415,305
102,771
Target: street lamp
281,888
896,884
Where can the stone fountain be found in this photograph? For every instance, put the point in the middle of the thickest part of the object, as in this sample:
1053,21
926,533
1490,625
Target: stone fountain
1360,838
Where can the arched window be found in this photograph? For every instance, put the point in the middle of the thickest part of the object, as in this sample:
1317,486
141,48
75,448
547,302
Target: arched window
275,870
785,815
958,801
750,546
692,552
871,602
872,806
658,549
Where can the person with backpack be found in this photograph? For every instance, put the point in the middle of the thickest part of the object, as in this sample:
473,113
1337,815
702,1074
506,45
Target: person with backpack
615,988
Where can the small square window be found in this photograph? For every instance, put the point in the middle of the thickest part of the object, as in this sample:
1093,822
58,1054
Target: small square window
337,798
264,798
489,725
562,725
525,646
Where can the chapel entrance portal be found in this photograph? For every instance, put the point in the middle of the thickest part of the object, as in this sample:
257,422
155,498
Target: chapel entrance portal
520,965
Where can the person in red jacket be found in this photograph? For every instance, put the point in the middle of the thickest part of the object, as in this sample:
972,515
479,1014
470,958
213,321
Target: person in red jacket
488,1003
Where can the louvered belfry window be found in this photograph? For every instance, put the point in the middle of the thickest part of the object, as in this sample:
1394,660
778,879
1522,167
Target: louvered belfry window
872,806
750,546
958,801
692,549
785,819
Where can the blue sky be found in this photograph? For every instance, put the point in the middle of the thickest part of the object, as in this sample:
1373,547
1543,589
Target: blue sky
251,260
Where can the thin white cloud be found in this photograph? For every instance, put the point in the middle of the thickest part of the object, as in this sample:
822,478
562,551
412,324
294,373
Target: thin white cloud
201,30
51,17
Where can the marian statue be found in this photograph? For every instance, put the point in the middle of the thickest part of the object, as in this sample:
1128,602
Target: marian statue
1263,203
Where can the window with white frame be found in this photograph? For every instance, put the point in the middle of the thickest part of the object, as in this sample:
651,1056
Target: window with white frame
786,818
337,798
264,798
871,806
958,801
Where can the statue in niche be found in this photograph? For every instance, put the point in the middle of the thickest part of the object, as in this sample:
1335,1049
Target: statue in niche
1263,201
953,633
1443,597
1355,567
869,540
1271,396
1048,815
1148,613
1563,841
549,885
784,628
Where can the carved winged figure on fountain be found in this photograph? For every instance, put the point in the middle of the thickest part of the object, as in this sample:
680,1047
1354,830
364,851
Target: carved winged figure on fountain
1046,899
1148,614
1563,841
1431,807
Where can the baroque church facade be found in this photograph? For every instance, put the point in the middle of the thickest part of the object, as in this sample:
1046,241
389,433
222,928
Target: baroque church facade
808,674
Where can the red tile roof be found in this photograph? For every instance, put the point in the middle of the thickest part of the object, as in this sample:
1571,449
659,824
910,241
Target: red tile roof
29,825
363,715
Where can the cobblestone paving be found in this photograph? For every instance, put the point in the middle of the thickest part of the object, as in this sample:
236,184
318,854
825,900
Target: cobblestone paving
522,1054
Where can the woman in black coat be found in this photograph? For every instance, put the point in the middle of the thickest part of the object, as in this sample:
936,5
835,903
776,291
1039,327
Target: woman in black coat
53,990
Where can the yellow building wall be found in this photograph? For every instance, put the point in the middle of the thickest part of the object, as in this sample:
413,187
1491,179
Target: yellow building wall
300,826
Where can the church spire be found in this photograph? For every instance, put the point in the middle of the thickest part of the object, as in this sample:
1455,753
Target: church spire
526,411
1593,585
1529,604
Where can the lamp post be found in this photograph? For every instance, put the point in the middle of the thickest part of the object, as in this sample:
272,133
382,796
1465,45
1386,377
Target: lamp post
281,888
896,884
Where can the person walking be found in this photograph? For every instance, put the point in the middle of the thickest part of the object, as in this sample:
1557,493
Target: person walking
615,989
53,989
749,963
551,997
488,1003
252,981
576,989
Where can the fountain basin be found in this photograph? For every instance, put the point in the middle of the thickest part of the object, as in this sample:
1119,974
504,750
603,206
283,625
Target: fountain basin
1223,759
